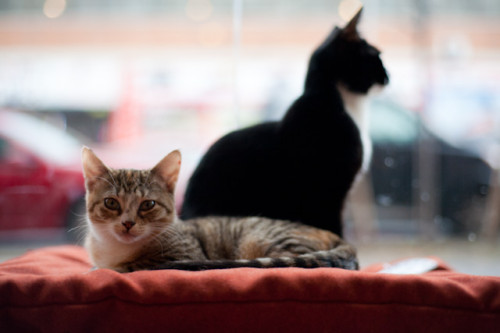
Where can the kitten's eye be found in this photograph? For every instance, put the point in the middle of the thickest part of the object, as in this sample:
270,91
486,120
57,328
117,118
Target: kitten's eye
147,205
111,203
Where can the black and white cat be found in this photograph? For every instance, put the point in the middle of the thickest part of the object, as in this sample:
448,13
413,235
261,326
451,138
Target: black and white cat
302,167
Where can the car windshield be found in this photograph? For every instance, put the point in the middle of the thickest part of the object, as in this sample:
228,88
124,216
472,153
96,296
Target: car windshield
43,139
392,125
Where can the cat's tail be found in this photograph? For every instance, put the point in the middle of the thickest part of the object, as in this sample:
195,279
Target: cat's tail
340,257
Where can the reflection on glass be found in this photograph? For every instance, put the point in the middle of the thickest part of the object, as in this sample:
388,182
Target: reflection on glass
135,79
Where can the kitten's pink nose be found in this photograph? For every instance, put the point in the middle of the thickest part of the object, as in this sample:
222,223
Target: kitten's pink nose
128,224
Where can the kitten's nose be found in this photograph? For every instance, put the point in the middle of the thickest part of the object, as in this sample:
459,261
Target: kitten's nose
128,224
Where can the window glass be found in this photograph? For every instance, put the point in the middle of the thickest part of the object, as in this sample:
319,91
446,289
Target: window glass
136,79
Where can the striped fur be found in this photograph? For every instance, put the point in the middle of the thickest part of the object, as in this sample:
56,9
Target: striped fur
132,225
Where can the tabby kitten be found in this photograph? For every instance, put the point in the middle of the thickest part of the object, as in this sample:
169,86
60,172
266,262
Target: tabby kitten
132,225
302,167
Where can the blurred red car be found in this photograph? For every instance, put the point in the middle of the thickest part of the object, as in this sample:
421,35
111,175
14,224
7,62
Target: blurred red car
41,181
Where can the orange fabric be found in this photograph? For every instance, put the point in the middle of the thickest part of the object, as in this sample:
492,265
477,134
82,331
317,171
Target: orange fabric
53,290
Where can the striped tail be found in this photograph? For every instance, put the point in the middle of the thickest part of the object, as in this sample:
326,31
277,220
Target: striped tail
317,259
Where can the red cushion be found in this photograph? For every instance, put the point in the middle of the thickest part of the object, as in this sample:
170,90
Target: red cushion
52,290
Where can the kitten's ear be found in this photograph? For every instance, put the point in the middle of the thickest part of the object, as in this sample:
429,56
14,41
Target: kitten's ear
350,31
92,165
168,169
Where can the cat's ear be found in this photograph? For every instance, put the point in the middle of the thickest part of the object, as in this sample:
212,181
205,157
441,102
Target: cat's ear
168,169
93,167
350,31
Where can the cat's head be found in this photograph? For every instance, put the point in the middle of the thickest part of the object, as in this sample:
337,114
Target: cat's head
128,206
346,58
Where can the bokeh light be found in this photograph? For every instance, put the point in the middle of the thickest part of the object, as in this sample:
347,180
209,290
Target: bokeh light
54,8
348,8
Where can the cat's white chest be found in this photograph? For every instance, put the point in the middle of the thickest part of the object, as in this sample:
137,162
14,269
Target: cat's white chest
357,107
109,254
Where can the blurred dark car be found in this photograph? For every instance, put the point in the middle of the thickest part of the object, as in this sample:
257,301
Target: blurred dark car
461,177
41,182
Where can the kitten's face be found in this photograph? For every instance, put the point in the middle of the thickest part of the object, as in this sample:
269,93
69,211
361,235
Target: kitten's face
129,206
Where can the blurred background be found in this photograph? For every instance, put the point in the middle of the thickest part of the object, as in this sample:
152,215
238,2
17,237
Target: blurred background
136,79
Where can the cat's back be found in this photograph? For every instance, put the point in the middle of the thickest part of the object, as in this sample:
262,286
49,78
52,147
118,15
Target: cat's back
256,237
221,237
233,161
240,145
